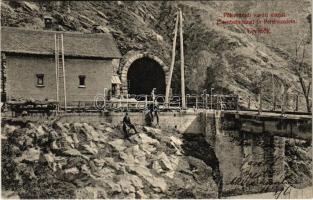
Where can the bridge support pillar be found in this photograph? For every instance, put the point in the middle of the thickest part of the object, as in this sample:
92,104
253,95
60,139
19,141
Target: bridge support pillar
256,160
278,157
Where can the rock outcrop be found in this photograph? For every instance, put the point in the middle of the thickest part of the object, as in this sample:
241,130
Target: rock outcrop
81,160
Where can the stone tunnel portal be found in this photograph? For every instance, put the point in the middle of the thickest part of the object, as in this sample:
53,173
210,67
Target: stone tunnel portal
143,75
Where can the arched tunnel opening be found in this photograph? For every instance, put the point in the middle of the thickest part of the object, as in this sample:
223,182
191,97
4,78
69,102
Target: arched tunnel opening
145,74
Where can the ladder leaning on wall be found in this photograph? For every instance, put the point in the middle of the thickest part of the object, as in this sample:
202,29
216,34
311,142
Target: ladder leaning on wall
60,70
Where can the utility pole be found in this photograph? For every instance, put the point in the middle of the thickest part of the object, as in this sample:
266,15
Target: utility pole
260,85
182,61
283,101
56,53
273,93
63,68
260,100
212,98
249,102
168,85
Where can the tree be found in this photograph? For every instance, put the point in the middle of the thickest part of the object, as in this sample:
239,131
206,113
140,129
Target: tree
303,71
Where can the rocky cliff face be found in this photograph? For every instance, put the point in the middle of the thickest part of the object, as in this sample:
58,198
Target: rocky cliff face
81,160
226,58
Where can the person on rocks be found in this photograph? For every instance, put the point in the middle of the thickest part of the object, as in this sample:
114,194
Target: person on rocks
127,123
149,117
156,115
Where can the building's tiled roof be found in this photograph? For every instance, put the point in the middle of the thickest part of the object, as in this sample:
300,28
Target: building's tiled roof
17,40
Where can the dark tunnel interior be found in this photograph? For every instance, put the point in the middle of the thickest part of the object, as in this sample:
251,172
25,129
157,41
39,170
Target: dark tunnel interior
145,74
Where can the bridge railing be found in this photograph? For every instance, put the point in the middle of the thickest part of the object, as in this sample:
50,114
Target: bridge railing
143,102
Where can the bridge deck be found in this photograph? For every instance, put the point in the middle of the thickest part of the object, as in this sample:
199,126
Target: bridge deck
271,114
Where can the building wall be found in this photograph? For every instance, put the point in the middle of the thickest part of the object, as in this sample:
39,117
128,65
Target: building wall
98,76
22,80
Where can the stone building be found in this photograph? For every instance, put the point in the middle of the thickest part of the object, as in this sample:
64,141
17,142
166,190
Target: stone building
90,61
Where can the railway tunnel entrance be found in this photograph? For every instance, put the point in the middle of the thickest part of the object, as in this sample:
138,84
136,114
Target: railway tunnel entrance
143,75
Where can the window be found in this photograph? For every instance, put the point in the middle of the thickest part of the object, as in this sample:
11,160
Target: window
82,81
40,79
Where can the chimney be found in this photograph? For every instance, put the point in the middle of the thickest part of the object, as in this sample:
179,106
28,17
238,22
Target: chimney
48,22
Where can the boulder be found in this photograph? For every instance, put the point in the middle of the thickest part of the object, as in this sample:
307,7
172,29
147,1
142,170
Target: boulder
118,144
142,138
135,151
141,195
154,131
26,170
133,180
111,163
158,184
58,126
175,161
8,129
72,170
156,166
100,127
103,139
69,140
147,148
136,181
165,163
67,125
3,137
49,157
28,141
93,168
75,139
176,141
101,194
31,7
88,193
40,132
14,150
31,126
113,187
60,162
75,162
126,186
71,152
76,126
99,162
104,172
90,149
128,159
174,144
29,155
201,171
90,132
9,195
85,170
170,174
54,146
182,164
109,130
130,196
